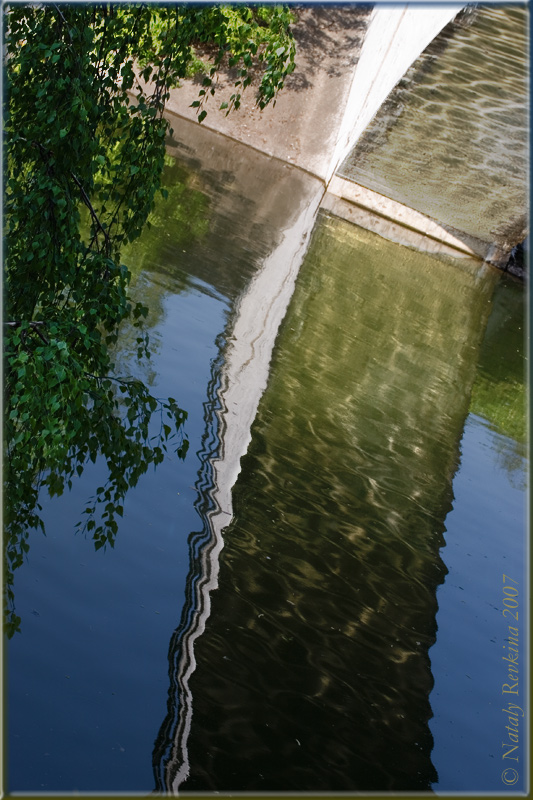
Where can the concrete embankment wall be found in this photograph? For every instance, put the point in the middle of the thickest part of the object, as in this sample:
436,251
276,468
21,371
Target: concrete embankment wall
395,37
303,125
383,97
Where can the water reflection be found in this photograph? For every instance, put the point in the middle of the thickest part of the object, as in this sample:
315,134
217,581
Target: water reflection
308,668
499,392
102,621
204,549
486,536
244,372
312,673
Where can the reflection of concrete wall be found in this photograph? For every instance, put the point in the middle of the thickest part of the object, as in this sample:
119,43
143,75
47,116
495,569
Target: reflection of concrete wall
312,672
250,209
451,141
252,197
302,127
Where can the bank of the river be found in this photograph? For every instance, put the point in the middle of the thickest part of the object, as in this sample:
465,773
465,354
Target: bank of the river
300,128
446,154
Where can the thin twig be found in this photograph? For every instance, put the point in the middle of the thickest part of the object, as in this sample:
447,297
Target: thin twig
89,205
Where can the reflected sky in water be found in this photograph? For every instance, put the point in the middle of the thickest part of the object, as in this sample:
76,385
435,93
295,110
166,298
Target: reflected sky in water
88,676
328,647
485,539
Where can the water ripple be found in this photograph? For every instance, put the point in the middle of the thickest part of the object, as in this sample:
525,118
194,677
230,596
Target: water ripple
313,671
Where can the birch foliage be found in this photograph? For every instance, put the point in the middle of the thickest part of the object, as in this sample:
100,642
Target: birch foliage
84,147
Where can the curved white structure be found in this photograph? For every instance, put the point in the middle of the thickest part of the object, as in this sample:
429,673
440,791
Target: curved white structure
244,379
395,37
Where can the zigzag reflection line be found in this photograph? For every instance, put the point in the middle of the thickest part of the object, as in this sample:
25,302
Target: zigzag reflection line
238,379
168,751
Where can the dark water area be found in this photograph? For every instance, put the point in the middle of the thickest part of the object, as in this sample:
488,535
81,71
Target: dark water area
315,641
313,672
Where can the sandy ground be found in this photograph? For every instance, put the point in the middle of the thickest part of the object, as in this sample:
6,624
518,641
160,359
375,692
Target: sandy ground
300,128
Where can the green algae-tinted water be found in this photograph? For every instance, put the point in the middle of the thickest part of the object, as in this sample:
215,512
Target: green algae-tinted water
313,672
322,661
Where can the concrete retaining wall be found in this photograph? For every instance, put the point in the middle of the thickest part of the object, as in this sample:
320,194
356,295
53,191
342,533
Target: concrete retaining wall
349,89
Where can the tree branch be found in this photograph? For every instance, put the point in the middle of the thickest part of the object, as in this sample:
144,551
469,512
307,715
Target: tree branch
33,325
92,212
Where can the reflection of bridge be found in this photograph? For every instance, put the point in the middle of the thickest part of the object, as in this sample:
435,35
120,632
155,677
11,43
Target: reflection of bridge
237,386
238,380
443,162
367,532
313,670
239,376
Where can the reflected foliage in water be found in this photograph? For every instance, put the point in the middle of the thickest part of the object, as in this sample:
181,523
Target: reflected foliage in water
101,623
499,393
178,220
486,535
313,671
156,260
124,439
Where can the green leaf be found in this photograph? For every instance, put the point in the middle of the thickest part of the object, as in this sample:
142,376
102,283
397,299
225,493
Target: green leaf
73,141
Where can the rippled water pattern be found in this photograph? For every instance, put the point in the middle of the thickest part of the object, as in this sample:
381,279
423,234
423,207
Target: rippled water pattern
88,676
451,140
469,725
313,671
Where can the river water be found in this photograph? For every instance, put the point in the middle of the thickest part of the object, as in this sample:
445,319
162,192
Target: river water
326,613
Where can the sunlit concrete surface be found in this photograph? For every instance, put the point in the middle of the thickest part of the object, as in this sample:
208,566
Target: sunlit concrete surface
303,124
451,141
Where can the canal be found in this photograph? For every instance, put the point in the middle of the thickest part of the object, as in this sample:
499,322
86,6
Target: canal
312,600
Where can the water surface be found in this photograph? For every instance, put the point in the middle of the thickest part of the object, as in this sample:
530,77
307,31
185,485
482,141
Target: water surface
313,671
87,677
302,649
485,539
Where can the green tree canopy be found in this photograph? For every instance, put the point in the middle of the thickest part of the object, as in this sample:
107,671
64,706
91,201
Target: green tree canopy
84,150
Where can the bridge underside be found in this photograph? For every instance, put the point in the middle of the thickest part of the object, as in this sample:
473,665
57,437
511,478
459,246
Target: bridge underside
451,140
435,157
